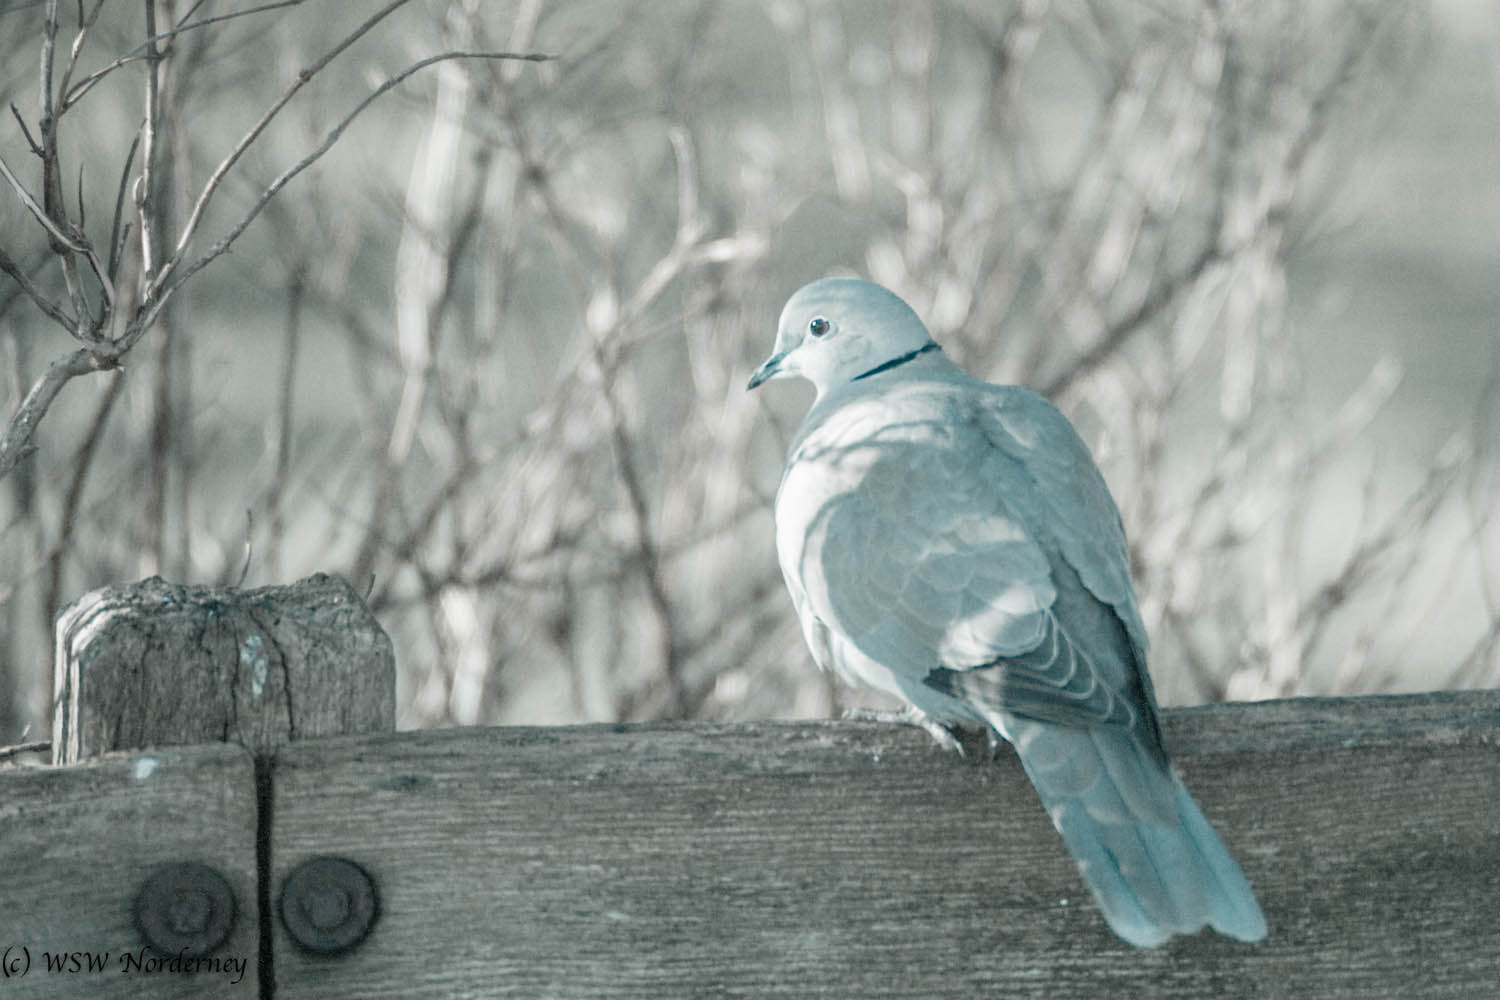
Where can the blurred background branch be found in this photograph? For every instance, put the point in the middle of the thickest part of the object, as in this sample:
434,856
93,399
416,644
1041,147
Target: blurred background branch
486,356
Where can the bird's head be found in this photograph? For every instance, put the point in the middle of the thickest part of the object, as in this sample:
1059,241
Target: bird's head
839,329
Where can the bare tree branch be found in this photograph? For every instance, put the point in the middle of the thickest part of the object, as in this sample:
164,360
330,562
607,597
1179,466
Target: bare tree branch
65,240
86,23
46,305
580,517
35,746
16,441
74,93
216,178
276,185
148,219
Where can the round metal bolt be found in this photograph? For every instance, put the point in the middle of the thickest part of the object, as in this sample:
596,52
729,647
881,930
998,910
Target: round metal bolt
328,905
184,908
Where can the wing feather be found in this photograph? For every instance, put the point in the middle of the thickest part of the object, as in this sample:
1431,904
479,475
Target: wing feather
971,546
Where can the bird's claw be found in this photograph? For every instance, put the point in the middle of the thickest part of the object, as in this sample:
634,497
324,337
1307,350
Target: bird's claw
994,741
941,734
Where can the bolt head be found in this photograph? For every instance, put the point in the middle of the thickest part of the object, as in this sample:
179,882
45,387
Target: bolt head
328,905
184,908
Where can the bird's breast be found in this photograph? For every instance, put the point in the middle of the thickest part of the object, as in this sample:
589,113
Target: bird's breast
882,452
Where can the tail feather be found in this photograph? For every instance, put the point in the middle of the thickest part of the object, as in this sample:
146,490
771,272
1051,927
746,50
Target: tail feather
1234,909
1147,853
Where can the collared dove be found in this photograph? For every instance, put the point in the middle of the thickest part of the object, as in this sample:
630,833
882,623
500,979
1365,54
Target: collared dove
952,543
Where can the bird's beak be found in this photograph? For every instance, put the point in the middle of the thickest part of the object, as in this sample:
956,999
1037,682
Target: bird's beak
769,370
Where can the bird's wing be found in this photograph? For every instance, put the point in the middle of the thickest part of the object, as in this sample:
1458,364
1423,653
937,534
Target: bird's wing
959,534
958,538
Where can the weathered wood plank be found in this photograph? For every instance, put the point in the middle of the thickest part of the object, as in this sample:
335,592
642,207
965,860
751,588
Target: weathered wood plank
846,860
155,663
77,843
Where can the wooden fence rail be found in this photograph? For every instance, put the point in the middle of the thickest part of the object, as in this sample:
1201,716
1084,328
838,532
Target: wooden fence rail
763,859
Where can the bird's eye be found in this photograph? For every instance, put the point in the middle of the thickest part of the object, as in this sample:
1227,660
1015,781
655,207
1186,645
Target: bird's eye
819,326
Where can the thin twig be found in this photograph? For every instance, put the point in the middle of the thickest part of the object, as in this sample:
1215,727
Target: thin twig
281,462
276,185
118,228
52,197
64,239
15,113
211,186
76,92
647,556
1120,331
35,746
82,464
1408,521
46,305
85,22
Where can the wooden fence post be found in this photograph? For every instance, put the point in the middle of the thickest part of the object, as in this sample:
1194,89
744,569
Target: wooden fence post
160,664
679,860
148,873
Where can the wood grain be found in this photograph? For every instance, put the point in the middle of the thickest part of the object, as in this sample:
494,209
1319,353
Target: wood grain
76,844
854,860
154,663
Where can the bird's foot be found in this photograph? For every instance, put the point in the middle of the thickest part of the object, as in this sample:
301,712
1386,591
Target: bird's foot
944,736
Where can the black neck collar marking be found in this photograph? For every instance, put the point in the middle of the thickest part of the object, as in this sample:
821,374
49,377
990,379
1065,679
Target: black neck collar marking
931,345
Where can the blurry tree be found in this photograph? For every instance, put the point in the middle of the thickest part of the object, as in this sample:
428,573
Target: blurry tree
488,359
109,285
